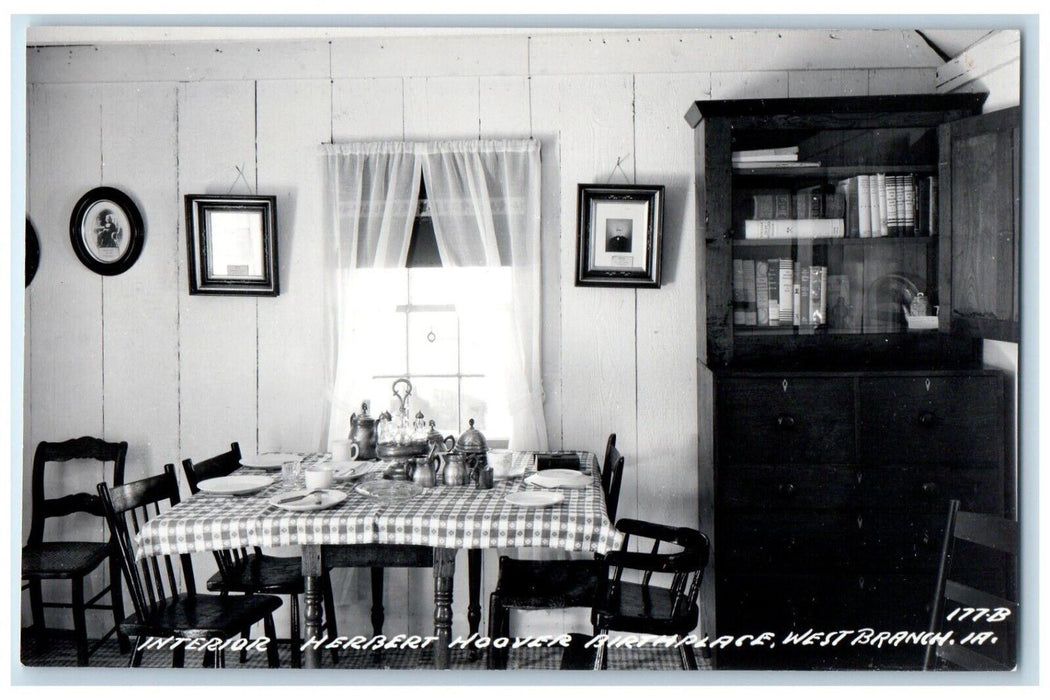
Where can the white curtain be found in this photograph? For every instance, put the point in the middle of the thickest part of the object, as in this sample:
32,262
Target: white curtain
484,200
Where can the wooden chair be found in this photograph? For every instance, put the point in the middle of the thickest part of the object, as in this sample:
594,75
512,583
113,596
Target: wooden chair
978,572
528,584
73,561
243,571
160,610
644,608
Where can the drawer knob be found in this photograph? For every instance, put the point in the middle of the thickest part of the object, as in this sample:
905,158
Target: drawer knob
786,489
930,489
786,422
926,419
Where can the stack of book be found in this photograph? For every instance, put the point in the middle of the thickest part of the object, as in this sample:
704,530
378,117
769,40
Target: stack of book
890,205
811,212
770,158
779,292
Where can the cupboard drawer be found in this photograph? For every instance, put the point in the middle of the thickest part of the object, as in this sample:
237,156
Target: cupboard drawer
782,541
786,487
931,420
928,489
792,420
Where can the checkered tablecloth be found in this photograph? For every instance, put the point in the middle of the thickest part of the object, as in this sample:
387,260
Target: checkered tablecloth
444,516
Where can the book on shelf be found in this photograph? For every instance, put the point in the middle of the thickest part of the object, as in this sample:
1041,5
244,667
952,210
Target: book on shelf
840,314
783,153
775,164
880,191
739,317
793,228
773,287
783,292
762,292
750,294
863,206
786,294
796,291
880,205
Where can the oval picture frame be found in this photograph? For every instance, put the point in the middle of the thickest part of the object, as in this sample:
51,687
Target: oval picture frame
106,231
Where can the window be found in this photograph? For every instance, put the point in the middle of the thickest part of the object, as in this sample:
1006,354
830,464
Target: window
447,330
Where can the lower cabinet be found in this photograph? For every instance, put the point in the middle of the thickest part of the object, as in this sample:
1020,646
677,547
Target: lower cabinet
839,527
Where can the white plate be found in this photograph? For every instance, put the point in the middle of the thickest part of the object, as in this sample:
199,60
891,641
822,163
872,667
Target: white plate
273,460
235,485
389,489
559,478
323,499
534,499
346,471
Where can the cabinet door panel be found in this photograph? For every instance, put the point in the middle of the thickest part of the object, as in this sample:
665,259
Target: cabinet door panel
764,541
933,420
787,487
786,420
928,489
980,158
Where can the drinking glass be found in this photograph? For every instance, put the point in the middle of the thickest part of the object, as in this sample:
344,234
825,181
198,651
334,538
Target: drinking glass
291,472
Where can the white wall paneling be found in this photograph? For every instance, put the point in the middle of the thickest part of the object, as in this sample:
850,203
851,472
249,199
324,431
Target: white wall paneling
136,357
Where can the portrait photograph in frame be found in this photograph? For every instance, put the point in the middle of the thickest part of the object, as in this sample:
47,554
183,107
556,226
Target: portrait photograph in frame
232,244
106,231
619,235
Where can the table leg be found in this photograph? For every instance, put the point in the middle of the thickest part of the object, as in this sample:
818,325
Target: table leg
312,603
474,603
444,569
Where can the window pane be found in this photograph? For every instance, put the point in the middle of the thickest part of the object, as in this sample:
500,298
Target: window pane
433,342
484,400
438,399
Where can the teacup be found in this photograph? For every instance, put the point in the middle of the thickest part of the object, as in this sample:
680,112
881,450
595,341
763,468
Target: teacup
319,477
344,450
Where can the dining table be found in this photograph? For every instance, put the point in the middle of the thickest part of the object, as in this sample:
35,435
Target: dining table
445,518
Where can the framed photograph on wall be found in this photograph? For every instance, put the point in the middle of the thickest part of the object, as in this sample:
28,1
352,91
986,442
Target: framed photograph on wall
619,235
232,244
106,231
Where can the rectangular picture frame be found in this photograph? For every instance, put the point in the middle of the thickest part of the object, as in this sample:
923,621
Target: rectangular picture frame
232,244
619,235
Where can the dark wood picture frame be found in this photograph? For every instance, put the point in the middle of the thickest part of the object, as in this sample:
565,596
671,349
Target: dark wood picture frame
107,231
619,235
232,244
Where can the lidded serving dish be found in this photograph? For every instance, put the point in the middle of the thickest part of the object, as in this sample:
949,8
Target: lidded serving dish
401,438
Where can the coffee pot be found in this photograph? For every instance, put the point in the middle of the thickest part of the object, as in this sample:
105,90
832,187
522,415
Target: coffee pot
473,446
363,433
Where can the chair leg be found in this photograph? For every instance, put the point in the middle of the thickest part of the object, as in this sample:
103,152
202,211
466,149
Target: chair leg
498,627
136,653
377,601
178,657
116,596
242,657
209,659
272,656
688,658
377,609
474,600
601,660
36,606
329,611
79,622
297,643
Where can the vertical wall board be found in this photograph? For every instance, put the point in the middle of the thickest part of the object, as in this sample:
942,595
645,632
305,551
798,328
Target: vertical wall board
437,109
139,143
505,108
294,118
901,81
827,83
368,109
361,110
217,334
749,85
140,306
667,410
592,120
442,108
66,367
